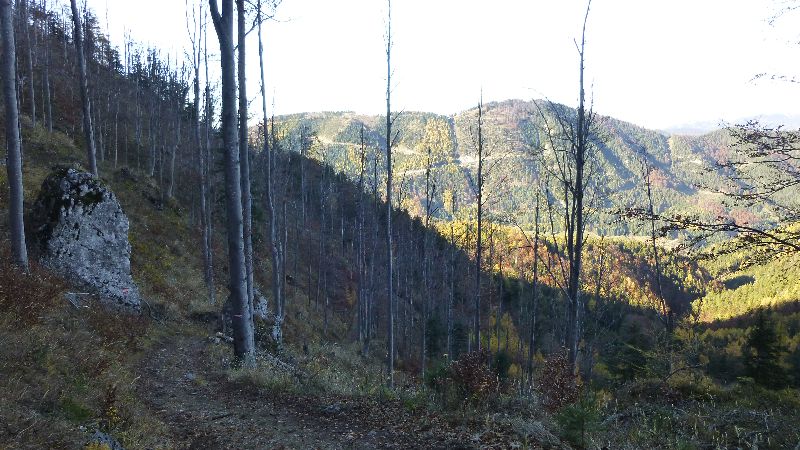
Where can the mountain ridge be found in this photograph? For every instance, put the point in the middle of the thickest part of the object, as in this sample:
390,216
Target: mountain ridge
685,175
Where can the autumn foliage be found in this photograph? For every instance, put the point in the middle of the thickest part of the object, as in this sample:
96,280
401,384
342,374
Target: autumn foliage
557,386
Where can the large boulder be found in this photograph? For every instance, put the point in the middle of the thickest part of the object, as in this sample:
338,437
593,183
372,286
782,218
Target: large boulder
82,234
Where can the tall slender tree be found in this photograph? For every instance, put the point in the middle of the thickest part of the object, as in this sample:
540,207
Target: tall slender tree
86,107
389,142
244,152
208,223
242,317
575,213
197,33
24,5
360,251
272,233
479,244
572,170
430,190
535,294
48,109
14,152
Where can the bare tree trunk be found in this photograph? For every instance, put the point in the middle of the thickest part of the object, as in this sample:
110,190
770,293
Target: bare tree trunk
499,318
272,234
389,262
46,82
303,190
244,154
243,342
666,313
14,153
535,300
361,316
101,148
452,295
25,7
208,243
282,249
153,139
478,246
85,104
576,225
426,296
171,188
199,33
116,133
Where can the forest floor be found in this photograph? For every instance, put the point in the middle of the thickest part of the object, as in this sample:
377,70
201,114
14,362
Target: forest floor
203,409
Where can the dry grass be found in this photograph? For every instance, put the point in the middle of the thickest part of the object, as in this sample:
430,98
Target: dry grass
63,371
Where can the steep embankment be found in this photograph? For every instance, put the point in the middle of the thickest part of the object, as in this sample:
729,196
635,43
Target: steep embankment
165,380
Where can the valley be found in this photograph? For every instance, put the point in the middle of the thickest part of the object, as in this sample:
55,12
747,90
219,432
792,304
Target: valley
527,274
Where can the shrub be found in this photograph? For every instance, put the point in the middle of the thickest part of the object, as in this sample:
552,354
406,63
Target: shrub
578,420
436,377
558,384
471,379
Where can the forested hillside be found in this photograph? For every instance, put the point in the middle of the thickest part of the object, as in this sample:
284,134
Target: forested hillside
685,173
500,300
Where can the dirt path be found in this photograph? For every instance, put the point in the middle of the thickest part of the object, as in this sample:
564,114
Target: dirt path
205,411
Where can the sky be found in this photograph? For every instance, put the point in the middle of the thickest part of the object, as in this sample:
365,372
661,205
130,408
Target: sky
656,63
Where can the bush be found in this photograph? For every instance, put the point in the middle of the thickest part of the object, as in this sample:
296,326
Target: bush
578,420
471,379
558,384
436,377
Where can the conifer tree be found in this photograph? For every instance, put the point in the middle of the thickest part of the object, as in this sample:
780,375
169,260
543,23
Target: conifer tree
762,353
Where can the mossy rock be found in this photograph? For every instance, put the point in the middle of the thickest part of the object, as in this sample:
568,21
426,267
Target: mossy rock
65,188
80,231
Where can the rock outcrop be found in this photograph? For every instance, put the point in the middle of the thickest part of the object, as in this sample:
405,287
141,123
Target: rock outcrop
104,441
82,234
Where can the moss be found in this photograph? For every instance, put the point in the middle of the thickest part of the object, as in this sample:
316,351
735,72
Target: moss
45,147
74,411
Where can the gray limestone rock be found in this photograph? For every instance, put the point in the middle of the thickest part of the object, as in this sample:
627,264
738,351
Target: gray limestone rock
103,439
82,234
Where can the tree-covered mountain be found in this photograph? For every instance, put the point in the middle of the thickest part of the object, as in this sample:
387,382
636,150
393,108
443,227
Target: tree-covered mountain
473,319
685,176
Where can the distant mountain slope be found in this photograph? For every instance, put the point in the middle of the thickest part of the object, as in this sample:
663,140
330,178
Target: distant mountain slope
513,129
788,121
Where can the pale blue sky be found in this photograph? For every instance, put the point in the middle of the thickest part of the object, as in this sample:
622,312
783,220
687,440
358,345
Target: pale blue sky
656,63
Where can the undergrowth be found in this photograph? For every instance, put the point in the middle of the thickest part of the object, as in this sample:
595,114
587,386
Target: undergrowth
65,371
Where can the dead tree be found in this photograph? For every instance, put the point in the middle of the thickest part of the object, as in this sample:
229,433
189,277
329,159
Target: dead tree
479,244
389,143
430,191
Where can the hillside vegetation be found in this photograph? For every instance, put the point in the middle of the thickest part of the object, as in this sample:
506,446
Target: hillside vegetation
685,175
